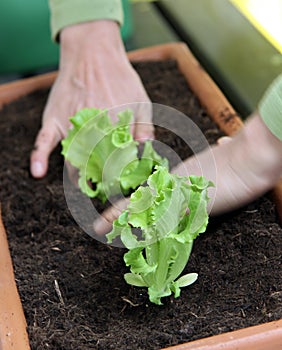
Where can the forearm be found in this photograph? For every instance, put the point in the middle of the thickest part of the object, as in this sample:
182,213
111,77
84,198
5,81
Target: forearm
89,30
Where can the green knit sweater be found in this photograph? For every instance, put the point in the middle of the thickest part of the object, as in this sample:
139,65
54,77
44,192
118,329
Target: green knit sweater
270,107
68,12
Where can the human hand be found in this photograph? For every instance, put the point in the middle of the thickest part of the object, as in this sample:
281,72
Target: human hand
241,169
103,224
206,163
94,72
244,168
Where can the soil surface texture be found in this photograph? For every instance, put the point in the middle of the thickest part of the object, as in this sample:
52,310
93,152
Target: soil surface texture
72,287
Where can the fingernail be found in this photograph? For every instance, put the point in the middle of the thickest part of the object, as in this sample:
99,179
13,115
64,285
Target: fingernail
37,169
144,137
223,140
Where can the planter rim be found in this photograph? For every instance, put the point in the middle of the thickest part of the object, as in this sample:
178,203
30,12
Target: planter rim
13,334
261,337
267,335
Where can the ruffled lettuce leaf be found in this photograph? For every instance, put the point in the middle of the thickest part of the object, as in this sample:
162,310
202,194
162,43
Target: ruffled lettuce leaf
170,211
106,155
164,215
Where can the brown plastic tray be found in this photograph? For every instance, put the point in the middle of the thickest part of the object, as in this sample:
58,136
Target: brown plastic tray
13,333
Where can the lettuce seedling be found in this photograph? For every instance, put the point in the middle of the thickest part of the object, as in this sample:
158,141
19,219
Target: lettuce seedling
158,228
106,154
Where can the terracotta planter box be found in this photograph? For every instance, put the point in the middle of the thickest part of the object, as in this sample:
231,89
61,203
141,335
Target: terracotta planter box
13,333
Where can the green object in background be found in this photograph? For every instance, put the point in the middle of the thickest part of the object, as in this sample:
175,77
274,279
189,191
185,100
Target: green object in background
25,38
127,28
237,56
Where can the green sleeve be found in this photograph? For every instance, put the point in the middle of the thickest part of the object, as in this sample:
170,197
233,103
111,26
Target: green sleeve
68,12
270,107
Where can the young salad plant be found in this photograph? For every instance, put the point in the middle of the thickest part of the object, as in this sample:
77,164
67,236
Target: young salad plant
164,215
106,154
158,228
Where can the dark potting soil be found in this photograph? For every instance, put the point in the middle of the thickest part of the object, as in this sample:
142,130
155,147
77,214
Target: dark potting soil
72,287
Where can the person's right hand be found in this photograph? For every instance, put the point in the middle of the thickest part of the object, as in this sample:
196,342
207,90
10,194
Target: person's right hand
247,165
94,72
245,169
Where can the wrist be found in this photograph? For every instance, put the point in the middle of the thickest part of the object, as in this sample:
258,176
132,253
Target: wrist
93,35
91,44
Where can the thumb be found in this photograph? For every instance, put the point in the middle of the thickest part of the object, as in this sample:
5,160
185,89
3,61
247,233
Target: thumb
46,140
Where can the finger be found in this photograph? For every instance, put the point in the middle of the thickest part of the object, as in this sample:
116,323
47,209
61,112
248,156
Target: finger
104,223
223,140
143,127
72,174
46,140
144,132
